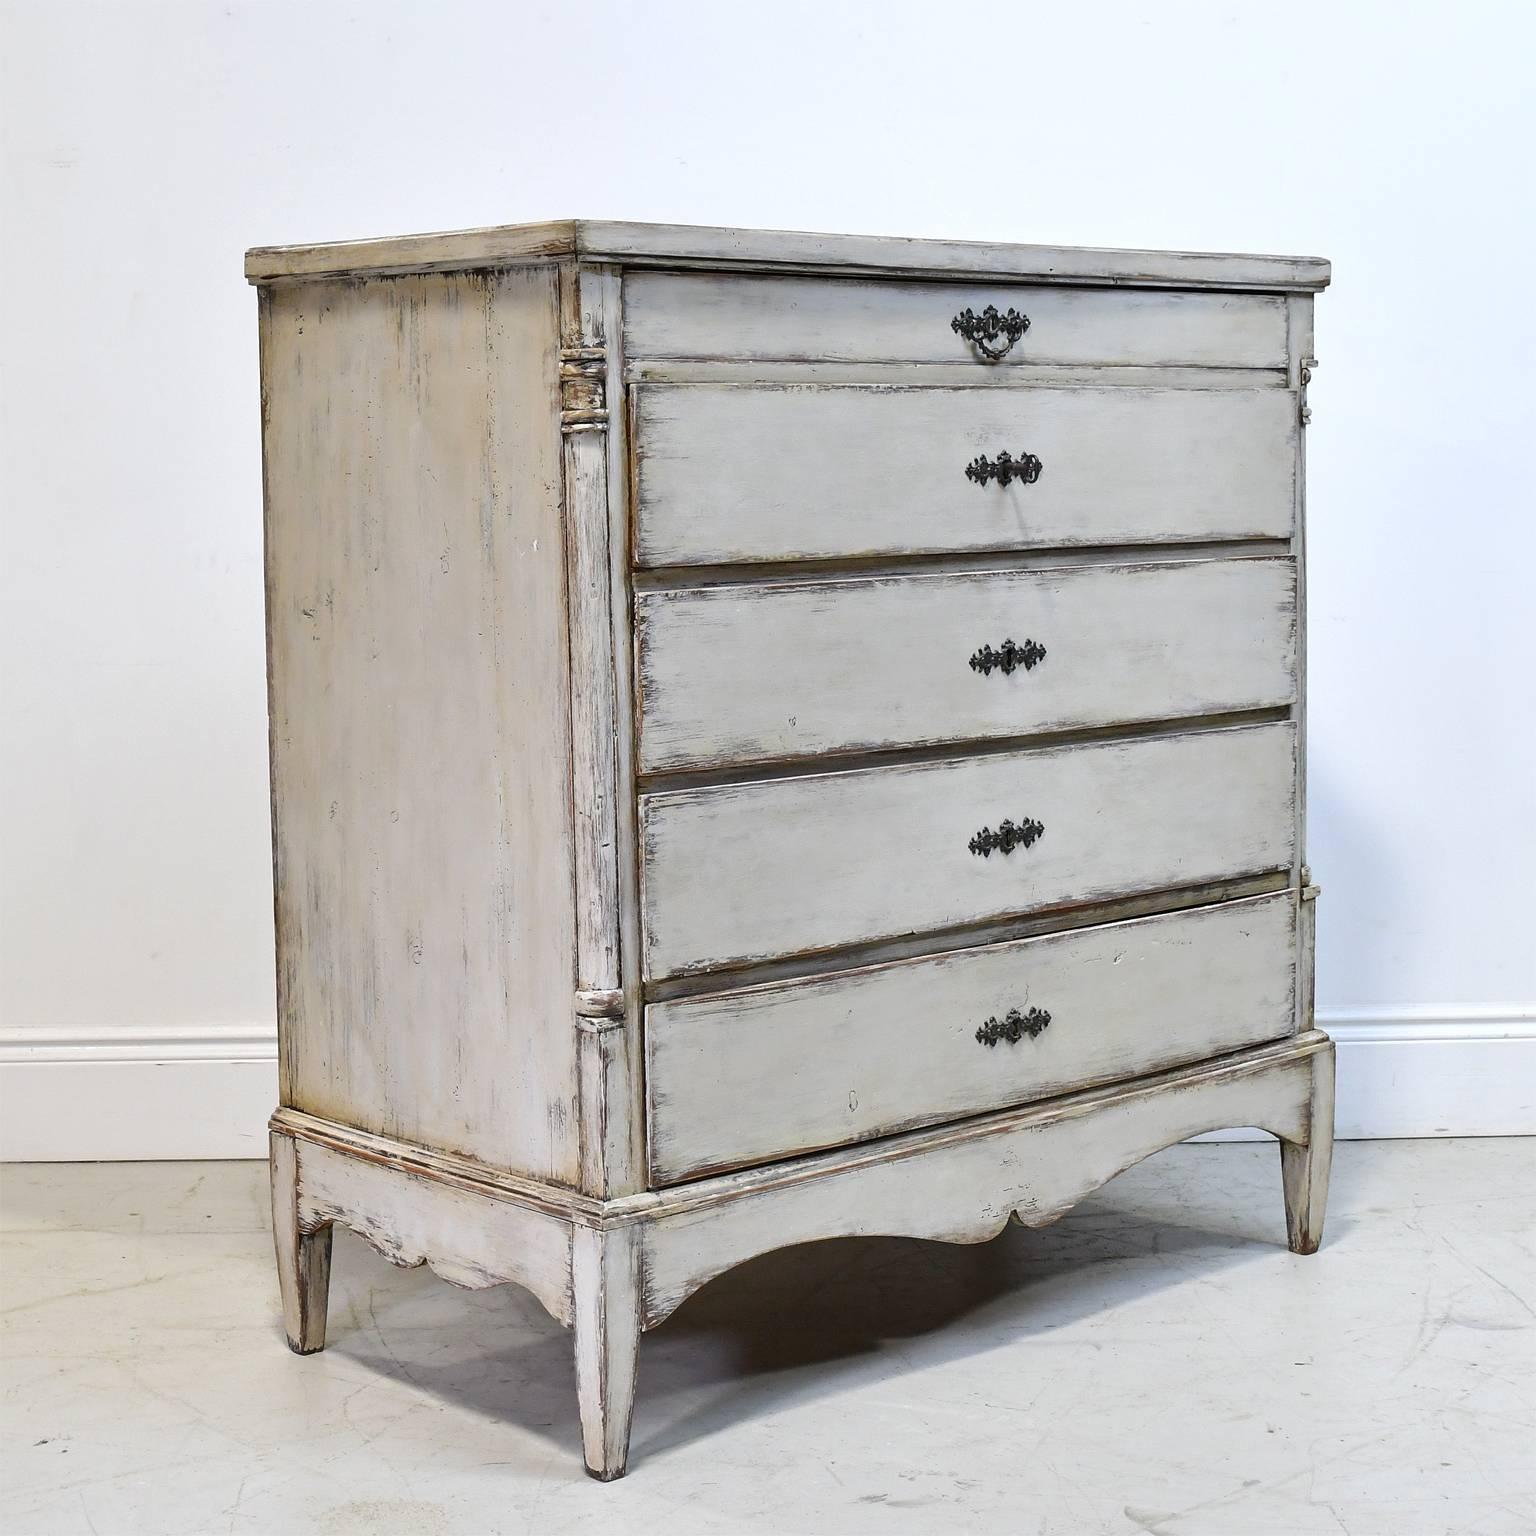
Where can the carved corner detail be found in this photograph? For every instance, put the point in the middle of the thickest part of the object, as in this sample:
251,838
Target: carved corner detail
598,1010
583,396
1307,365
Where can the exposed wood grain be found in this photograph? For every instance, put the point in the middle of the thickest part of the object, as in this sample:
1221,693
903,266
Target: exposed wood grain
670,245
1033,1163
741,1077
420,712
671,578
746,872
709,315
744,472
879,662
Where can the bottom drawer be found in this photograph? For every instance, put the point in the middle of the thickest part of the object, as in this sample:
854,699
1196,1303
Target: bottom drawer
744,1077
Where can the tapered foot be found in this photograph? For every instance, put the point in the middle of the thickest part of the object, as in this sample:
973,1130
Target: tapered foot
303,1258
1305,1166
605,1279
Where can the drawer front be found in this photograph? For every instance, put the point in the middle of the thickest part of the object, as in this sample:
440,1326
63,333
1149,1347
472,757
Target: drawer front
806,319
739,873
744,472
744,1077
746,673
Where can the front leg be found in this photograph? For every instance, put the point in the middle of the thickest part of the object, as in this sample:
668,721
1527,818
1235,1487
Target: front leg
1305,1165
605,1284
303,1258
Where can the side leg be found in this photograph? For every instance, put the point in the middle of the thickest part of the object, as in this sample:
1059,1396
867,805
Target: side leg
303,1258
605,1282
1304,1166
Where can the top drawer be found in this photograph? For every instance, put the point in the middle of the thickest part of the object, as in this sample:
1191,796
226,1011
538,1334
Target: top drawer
802,319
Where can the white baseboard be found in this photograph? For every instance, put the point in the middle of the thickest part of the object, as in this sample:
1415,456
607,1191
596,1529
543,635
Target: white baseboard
1415,1071
1435,1072
138,1095
111,1095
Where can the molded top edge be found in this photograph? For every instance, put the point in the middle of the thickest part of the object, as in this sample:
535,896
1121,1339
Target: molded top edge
687,245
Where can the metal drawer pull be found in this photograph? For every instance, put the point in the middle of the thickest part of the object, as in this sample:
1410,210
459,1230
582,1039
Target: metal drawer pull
1005,469
1007,837
1008,659
1013,1026
983,331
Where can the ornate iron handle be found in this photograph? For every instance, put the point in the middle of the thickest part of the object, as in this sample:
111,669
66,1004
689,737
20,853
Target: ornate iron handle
1007,837
985,330
1013,1026
1008,659
1005,469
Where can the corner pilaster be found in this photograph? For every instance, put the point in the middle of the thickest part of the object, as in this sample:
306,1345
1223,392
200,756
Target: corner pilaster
606,1008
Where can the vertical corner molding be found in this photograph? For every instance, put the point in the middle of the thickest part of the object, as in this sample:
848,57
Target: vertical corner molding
593,704
607,1048
1307,365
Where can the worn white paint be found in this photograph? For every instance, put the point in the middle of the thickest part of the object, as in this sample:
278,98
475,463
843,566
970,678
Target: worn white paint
968,375
421,725
964,1185
610,1268
676,315
471,1234
624,1118
605,1276
610,1130
741,1077
885,661
303,1253
452,633
672,245
744,872
774,472
1306,1162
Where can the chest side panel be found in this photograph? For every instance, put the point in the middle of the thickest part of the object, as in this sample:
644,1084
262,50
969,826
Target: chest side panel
420,711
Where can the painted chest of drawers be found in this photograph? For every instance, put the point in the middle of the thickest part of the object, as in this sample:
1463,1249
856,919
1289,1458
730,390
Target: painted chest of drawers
773,737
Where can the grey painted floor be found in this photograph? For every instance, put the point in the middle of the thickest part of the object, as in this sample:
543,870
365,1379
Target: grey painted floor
1155,1363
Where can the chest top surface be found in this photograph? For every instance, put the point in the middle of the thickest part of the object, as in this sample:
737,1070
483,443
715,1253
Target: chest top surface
687,245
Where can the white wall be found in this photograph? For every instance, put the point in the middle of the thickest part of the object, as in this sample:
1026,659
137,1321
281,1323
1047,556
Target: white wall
145,146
